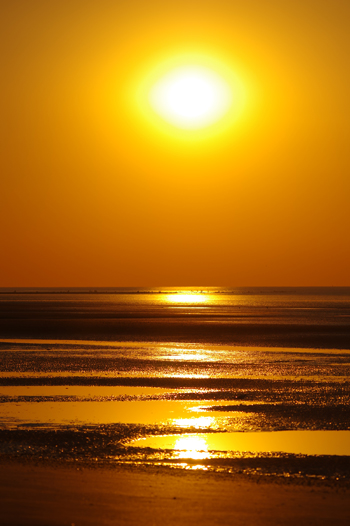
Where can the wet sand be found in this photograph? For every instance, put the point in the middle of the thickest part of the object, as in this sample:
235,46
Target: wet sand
45,495
267,361
87,403
234,331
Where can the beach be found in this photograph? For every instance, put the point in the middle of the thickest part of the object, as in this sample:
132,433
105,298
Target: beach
37,495
148,407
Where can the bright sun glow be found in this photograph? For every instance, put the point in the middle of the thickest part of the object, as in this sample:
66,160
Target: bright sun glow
191,97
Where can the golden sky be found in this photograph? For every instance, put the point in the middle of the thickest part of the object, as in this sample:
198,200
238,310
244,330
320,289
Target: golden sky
94,192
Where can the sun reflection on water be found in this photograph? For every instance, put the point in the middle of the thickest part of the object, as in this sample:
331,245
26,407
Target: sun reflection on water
191,446
188,298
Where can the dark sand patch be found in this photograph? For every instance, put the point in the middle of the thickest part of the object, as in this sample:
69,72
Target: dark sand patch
39,495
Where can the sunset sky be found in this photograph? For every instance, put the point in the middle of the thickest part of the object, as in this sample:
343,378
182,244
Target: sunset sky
96,190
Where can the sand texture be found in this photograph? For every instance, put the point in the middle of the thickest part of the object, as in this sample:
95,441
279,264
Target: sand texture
44,495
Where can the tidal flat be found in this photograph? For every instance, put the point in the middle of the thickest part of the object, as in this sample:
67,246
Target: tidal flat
262,396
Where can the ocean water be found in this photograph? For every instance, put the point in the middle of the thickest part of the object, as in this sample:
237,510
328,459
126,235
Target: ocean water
277,317
253,381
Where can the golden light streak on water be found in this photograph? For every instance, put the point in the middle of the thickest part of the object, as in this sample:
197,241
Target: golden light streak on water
191,446
187,298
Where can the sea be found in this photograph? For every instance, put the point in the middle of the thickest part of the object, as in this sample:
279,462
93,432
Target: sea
249,381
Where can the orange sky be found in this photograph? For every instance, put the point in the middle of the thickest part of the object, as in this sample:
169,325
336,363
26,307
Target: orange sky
93,193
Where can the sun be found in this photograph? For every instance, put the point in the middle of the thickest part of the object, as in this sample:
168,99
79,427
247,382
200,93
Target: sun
188,96
191,97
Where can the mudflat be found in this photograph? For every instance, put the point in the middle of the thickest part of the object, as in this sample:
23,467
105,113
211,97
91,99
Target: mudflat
60,495
123,407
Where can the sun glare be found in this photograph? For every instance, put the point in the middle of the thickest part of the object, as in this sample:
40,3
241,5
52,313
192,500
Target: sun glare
191,97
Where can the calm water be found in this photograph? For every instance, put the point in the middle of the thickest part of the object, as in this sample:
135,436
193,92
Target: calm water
240,380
